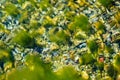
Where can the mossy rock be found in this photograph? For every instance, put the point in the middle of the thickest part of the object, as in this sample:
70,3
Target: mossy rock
106,3
117,17
1,27
109,49
80,35
93,46
11,9
68,73
5,57
58,36
100,27
70,15
49,21
23,16
44,4
2,45
116,62
87,58
80,22
112,72
34,69
24,39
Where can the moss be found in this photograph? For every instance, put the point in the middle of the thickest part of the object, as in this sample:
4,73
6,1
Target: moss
11,9
35,69
93,46
44,4
68,73
5,57
109,49
2,45
24,39
1,27
38,70
80,21
50,28
80,35
116,62
112,72
106,3
117,16
100,27
21,1
58,36
87,58
48,22
69,15
23,16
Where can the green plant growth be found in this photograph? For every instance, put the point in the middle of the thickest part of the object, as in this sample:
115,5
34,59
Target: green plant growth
100,27
93,46
35,69
68,73
44,4
87,58
39,70
23,16
106,3
117,16
80,36
116,62
1,27
24,39
5,58
2,45
33,2
69,15
11,9
34,24
100,66
48,22
21,1
109,49
58,36
79,22
112,72
37,35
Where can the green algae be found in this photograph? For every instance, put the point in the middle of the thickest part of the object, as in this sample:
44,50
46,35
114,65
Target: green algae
24,39
87,58
40,19
79,22
106,3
